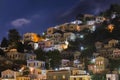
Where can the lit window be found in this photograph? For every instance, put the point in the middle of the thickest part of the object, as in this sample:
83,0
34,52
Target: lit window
54,77
63,76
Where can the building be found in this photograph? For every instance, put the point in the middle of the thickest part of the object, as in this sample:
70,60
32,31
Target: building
80,77
50,30
78,74
100,19
14,55
35,64
69,36
91,67
101,64
39,74
65,63
113,42
115,54
106,52
32,37
58,75
9,75
112,77
76,63
23,78
63,27
41,44
49,43
30,56
77,55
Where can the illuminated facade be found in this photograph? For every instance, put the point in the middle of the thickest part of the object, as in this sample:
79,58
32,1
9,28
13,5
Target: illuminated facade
113,42
112,77
63,27
9,75
32,64
80,77
14,55
101,64
51,30
100,19
49,43
23,78
58,75
32,37
115,54
69,36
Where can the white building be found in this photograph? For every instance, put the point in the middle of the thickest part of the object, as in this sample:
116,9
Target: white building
112,77
36,64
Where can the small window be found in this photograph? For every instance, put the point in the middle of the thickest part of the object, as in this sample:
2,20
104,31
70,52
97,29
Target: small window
54,77
63,76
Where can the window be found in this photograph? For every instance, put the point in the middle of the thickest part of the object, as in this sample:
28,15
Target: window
63,76
54,77
74,78
80,78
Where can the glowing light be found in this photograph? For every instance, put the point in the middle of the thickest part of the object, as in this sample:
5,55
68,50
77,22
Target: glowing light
110,27
93,60
82,48
56,69
82,36
31,70
22,69
66,42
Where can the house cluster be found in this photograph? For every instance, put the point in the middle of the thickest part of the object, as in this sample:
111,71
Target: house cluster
108,50
57,38
35,69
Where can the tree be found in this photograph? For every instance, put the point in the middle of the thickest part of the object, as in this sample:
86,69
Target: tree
20,47
2,53
54,58
41,55
13,37
4,42
98,77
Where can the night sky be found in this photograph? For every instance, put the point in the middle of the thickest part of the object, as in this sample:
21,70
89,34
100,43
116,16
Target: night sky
37,15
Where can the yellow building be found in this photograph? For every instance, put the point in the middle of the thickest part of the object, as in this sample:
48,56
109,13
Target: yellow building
23,78
58,75
74,27
113,42
101,64
80,77
9,75
78,72
32,37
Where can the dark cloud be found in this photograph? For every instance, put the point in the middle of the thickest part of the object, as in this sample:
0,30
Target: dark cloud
90,7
